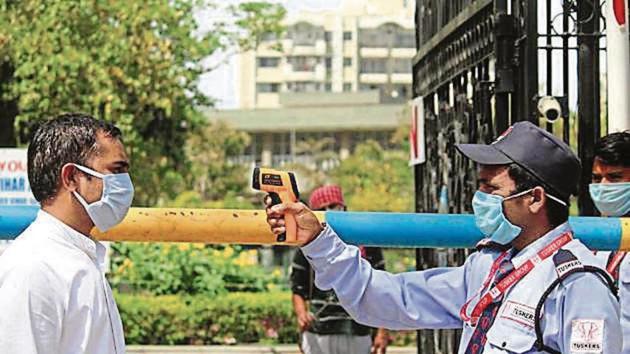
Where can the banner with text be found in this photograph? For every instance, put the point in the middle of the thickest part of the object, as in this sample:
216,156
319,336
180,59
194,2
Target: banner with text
14,186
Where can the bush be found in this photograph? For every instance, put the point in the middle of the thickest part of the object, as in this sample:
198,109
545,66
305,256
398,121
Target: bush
227,319
190,269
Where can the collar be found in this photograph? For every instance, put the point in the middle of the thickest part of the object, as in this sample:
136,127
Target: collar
533,248
63,233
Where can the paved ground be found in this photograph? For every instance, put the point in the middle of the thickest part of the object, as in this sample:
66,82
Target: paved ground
237,349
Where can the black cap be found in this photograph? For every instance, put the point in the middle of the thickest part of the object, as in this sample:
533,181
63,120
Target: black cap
537,151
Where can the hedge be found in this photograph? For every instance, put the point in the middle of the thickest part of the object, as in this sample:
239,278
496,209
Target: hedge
226,319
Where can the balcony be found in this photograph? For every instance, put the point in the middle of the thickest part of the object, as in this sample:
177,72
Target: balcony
318,49
402,78
304,72
373,78
403,52
374,53
269,75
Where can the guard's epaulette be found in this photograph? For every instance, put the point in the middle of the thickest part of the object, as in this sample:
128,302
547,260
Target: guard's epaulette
565,262
486,243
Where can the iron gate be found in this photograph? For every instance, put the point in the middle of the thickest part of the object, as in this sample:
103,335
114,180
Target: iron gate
482,65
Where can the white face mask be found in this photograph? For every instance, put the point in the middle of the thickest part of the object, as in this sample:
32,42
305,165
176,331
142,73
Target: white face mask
115,201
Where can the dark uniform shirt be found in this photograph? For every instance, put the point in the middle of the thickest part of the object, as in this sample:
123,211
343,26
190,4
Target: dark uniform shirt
330,317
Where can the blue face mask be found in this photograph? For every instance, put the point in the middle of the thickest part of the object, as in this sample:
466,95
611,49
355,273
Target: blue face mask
489,217
611,199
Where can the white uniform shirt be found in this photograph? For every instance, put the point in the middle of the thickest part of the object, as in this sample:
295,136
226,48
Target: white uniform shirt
54,297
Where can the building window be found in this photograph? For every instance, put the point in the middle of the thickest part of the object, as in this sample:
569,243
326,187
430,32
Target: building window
405,39
328,63
347,61
265,62
365,87
347,87
373,38
386,36
328,36
347,36
305,34
281,144
328,87
373,66
267,87
302,63
304,86
401,66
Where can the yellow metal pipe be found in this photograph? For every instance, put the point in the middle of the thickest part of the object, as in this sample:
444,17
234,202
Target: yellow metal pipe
625,234
193,225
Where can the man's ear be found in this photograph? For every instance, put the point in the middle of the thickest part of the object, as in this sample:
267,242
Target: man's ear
539,200
69,177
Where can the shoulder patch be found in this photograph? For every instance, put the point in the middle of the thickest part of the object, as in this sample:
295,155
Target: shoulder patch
587,336
565,261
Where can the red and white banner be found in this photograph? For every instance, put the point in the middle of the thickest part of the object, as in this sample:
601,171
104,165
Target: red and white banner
416,135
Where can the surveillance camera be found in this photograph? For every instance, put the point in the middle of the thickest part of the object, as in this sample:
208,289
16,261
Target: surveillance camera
549,107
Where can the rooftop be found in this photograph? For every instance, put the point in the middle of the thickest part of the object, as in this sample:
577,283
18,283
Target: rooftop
317,112
310,119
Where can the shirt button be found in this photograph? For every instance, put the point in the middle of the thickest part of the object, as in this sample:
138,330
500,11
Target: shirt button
503,344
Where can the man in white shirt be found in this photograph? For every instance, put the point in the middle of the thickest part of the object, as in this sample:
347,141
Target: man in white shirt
54,297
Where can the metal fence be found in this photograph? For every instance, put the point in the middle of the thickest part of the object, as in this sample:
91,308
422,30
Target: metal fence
482,65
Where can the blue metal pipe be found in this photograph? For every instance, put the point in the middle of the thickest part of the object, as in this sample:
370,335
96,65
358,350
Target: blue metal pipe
405,230
14,219
456,230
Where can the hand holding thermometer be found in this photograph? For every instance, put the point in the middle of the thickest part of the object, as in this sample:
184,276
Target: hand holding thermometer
282,188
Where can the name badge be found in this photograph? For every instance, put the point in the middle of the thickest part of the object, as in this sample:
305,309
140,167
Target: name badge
519,313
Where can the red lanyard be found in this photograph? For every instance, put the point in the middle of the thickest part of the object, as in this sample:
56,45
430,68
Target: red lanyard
514,277
613,265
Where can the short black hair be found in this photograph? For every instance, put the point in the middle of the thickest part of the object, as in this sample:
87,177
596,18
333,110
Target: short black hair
67,138
556,212
614,149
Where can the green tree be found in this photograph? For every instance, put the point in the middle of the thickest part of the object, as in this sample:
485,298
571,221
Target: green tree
216,178
136,63
209,151
312,154
374,179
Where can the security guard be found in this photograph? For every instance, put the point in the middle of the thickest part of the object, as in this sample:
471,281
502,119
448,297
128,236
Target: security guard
543,293
610,191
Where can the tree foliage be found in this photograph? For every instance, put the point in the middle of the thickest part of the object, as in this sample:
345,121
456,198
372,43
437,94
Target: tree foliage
136,63
374,179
